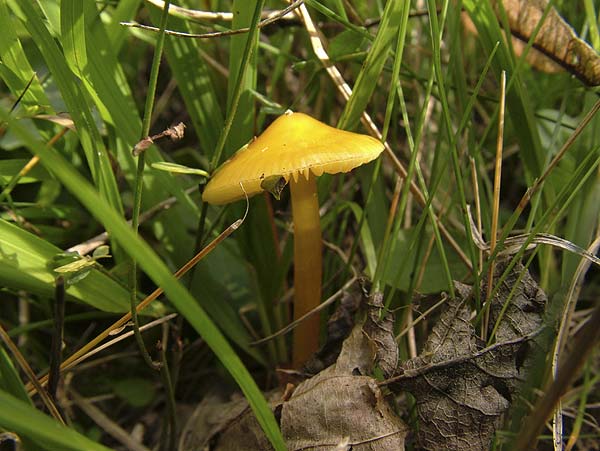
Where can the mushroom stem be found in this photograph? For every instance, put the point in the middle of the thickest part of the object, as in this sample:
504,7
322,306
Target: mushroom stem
307,266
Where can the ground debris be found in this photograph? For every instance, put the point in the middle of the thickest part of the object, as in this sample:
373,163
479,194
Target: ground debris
556,39
462,388
339,408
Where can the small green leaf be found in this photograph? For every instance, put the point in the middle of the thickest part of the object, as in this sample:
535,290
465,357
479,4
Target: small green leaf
26,421
178,168
62,258
75,266
101,252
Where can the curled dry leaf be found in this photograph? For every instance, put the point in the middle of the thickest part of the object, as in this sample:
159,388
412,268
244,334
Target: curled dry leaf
555,39
174,132
461,388
556,46
342,407
64,120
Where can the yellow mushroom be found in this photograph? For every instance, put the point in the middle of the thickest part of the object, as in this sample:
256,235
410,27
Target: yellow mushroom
297,148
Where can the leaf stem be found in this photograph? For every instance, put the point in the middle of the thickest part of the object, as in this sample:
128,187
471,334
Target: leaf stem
139,179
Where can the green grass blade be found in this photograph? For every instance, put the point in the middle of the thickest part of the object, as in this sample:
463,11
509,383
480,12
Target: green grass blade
72,26
517,100
239,82
436,38
160,274
383,43
109,89
243,121
75,100
194,83
24,259
338,18
117,33
366,240
20,417
14,61
10,381
8,168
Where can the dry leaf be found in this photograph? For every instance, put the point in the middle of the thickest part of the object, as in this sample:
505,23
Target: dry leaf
534,57
204,430
340,408
343,402
556,46
555,39
63,120
326,410
174,132
461,388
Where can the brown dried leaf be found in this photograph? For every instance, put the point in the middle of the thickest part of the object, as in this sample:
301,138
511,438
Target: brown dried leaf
64,120
174,132
142,145
204,430
523,315
339,408
342,403
355,410
555,39
462,389
380,332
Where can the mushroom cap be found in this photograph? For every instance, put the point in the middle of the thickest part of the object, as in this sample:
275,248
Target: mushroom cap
294,144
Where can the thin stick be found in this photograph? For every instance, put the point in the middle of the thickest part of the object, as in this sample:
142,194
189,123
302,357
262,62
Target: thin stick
171,419
476,197
219,34
496,205
291,326
121,337
89,245
412,373
211,15
107,425
139,182
421,317
563,331
25,89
